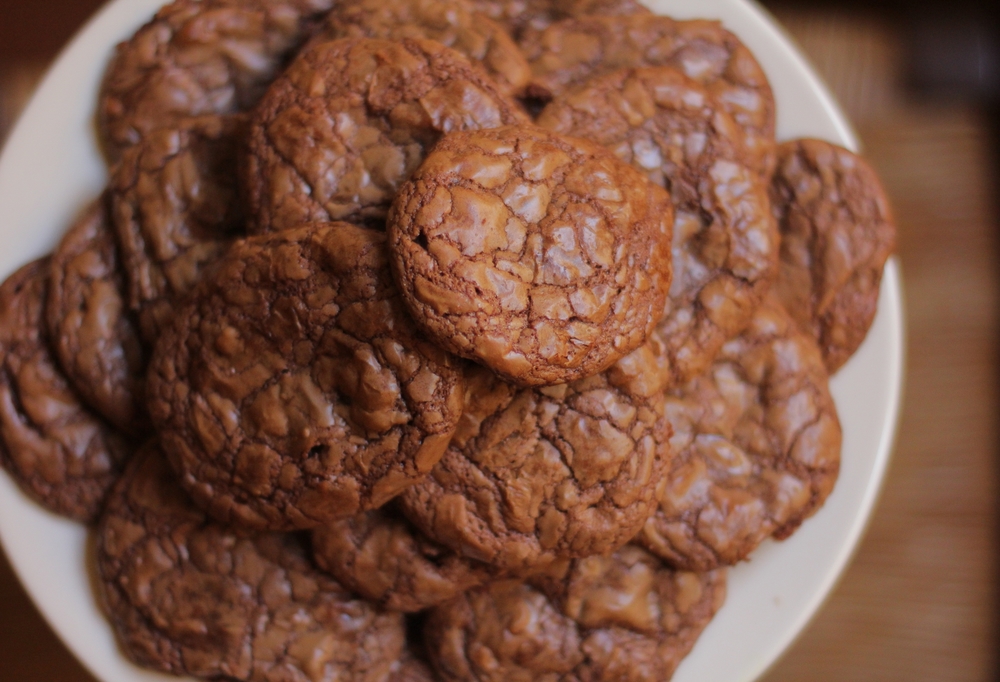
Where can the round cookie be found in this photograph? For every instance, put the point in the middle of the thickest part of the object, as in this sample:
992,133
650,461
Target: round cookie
541,256
175,209
837,231
349,121
188,596
549,473
57,450
196,58
294,390
453,23
568,53
94,336
726,241
382,557
758,448
619,618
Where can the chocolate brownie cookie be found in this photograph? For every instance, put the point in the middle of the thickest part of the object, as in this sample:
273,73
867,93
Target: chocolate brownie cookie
518,15
189,596
541,256
57,450
412,669
561,471
837,231
453,23
175,209
351,119
293,389
725,239
619,618
572,51
196,58
382,557
758,447
94,335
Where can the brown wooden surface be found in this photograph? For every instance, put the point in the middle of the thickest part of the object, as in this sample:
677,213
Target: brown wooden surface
919,601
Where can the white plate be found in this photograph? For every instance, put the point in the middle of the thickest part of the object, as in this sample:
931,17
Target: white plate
51,167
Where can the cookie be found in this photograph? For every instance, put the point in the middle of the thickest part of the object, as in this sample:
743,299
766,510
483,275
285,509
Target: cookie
197,58
412,669
725,239
571,51
540,256
519,15
94,335
549,473
453,23
57,450
188,596
382,557
294,390
619,618
758,448
349,121
837,231
175,209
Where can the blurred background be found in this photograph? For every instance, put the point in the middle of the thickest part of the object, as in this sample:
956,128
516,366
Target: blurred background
921,82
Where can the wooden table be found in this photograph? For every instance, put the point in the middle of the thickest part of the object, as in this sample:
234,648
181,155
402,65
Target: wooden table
919,601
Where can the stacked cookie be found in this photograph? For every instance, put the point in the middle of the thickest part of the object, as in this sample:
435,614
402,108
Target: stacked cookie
437,339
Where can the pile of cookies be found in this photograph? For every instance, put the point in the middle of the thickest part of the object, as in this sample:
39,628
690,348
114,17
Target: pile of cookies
437,339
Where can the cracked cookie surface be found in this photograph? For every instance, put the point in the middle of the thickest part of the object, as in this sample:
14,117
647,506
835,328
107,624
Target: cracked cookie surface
350,119
197,58
94,335
520,15
837,231
568,53
412,669
725,240
758,447
58,451
453,23
189,596
548,473
540,256
620,618
382,557
175,209
293,388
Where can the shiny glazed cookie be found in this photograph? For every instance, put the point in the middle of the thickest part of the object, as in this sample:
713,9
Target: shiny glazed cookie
453,23
837,231
188,596
294,390
549,473
94,335
725,244
570,52
175,209
619,618
351,119
541,256
382,557
197,58
57,450
758,447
